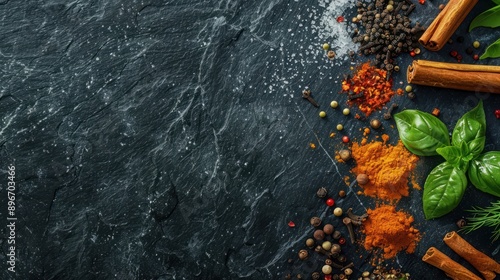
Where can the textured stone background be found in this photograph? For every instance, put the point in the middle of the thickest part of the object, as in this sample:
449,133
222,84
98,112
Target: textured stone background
168,139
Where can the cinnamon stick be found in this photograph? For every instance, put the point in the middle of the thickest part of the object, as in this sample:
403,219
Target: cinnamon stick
446,23
452,269
471,77
484,264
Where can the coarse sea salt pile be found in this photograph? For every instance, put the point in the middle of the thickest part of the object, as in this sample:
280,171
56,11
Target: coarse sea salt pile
333,32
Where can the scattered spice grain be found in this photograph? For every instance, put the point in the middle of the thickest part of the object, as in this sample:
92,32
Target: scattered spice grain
435,112
315,221
345,154
375,123
328,229
321,192
342,193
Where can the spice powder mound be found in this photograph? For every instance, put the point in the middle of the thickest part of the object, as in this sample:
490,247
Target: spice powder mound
389,168
369,88
389,231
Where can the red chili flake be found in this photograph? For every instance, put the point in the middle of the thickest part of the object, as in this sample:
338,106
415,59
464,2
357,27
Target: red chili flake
340,19
436,112
497,113
328,277
454,53
421,1
412,54
476,57
373,83
342,241
291,224
459,57
345,139
330,202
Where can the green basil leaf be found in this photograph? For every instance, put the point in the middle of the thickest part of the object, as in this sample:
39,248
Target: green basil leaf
421,132
455,156
464,149
467,130
496,2
471,130
476,146
492,50
465,157
488,18
451,154
443,190
484,173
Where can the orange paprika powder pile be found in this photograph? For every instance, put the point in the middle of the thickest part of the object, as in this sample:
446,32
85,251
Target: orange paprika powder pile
389,232
389,168
374,86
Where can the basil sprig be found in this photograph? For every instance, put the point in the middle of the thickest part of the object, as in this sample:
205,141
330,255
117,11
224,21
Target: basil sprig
423,134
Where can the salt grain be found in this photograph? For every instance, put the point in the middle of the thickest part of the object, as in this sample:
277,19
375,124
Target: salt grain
334,32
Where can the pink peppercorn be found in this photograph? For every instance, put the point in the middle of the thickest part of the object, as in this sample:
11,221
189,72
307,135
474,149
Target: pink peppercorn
330,202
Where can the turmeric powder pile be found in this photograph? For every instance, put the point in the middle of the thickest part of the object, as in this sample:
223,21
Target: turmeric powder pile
388,168
390,231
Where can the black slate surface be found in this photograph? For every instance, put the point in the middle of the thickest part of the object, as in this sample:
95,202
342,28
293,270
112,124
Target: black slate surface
168,139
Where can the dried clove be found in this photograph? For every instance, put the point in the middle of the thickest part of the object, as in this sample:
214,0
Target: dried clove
367,46
417,28
388,114
354,96
410,9
342,258
306,94
348,222
322,251
356,219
